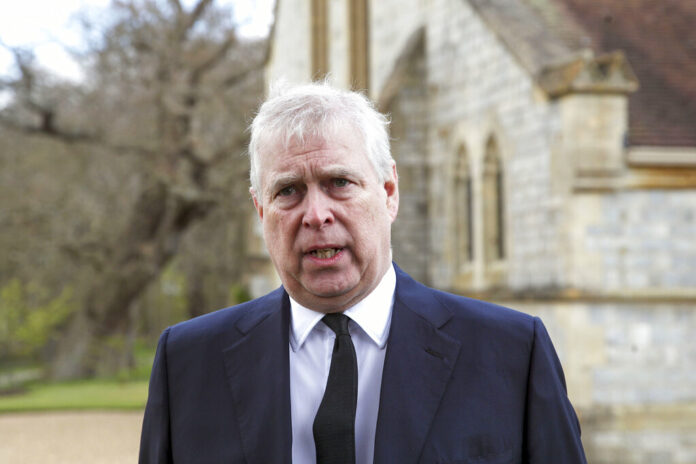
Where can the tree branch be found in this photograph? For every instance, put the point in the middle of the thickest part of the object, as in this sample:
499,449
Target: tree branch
48,129
74,137
176,4
92,253
196,14
214,58
235,79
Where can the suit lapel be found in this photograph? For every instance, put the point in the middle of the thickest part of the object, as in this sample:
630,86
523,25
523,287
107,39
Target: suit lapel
417,368
259,377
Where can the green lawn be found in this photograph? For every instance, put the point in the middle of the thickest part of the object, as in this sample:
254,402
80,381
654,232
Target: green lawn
126,390
80,395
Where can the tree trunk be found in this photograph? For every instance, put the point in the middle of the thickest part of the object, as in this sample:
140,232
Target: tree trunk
178,101
96,338
196,303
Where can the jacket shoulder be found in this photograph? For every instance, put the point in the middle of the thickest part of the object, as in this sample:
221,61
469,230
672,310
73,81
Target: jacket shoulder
232,321
470,309
454,313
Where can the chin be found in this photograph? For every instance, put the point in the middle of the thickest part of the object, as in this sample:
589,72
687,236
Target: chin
322,292
329,290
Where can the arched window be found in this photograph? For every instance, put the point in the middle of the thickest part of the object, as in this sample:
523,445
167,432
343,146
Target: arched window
359,43
493,204
320,38
463,210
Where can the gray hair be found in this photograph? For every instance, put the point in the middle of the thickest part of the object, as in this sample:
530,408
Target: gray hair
318,110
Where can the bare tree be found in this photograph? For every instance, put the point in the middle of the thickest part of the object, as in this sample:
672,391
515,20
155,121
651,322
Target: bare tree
172,90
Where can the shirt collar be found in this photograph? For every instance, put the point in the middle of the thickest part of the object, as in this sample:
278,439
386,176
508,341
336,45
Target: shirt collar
372,314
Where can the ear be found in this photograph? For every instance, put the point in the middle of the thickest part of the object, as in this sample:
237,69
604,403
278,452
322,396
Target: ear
391,186
257,204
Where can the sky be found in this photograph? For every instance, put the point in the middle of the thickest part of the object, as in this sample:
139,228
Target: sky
47,25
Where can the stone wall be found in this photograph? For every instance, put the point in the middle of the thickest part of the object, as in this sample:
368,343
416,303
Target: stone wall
339,51
409,133
391,24
630,370
478,90
635,241
624,260
290,56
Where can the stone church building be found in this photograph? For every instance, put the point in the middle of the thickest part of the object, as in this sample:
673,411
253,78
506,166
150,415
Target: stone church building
546,152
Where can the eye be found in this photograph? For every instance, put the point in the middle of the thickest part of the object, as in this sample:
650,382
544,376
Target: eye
338,182
286,191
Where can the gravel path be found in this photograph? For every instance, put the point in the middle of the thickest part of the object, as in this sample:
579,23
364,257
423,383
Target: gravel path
70,437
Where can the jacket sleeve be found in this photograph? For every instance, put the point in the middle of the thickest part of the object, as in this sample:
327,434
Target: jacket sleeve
155,441
552,430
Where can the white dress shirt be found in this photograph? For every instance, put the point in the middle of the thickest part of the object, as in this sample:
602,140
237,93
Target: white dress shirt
311,345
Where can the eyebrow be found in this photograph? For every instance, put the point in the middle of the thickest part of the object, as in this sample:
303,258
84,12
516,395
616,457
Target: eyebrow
341,171
285,179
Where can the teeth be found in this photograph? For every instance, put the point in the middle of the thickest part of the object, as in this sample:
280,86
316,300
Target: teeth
325,253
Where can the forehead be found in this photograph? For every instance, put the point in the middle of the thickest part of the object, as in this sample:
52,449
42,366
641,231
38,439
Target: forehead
314,153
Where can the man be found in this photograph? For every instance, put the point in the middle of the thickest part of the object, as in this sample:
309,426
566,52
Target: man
350,360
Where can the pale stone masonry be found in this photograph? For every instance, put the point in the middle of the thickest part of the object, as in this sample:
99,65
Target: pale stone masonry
598,237
636,242
630,370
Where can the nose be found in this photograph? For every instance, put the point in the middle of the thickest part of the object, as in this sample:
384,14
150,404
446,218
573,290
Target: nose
318,212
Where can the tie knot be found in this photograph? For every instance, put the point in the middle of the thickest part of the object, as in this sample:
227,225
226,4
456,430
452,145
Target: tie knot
338,322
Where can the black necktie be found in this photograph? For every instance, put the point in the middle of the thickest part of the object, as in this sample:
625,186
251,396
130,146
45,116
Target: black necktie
334,424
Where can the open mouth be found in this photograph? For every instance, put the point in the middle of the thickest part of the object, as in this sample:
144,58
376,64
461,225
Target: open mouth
325,253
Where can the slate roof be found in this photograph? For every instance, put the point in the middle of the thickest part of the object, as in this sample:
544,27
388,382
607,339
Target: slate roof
553,39
535,31
659,39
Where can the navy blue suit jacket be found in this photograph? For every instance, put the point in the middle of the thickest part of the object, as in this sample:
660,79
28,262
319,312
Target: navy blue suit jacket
464,382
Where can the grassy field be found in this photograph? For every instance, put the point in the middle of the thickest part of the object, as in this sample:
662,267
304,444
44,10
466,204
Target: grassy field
124,392
80,395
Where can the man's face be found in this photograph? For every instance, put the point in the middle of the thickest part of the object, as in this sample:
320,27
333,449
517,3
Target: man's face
326,220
